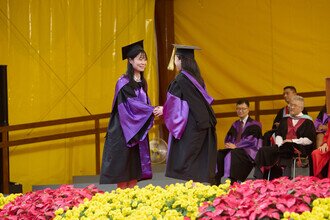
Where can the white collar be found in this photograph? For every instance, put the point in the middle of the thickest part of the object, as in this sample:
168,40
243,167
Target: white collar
244,119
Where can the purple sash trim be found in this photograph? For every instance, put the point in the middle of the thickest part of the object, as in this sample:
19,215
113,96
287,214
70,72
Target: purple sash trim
175,113
122,81
202,90
250,144
145,159
321,121
227,164
133,115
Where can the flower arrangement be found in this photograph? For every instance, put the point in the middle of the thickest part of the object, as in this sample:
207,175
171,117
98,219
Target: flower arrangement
298,199
263,199
7,199
43,203
321,210
175,201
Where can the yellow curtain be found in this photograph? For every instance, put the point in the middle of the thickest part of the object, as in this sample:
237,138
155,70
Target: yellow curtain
64,58
254,48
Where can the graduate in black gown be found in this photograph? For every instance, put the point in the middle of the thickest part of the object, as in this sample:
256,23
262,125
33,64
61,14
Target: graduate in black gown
126,154
295,136
190,119
242,143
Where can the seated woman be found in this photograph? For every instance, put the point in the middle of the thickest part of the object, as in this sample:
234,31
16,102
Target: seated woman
321,157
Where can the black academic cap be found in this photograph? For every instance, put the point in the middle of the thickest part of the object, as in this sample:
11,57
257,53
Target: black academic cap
183,50
127,50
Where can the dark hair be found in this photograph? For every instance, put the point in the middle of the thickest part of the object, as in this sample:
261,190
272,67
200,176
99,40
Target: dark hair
130,69
243,101
290,87
190,65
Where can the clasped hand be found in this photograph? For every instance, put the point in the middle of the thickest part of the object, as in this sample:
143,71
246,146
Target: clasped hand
230,145
158,111
324,148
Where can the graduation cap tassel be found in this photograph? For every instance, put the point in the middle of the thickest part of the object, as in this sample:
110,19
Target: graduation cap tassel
171,63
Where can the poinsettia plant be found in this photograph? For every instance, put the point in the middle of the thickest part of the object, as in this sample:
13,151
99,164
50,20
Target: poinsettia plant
42,204
257,199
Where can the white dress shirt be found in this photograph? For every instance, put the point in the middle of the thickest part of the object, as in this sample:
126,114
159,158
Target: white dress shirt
300,141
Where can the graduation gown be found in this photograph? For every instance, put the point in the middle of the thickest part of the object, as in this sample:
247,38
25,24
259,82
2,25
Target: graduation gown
268,156
322,118
126,154
306,129
283,112
191,122
238,163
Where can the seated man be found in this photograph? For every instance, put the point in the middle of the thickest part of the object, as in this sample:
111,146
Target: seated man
295,136
288,93
242,142
321,125
321,158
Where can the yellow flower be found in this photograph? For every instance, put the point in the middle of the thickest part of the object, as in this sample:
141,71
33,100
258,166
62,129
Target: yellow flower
149,202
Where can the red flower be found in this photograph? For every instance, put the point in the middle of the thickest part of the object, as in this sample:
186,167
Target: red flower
43,203
263,199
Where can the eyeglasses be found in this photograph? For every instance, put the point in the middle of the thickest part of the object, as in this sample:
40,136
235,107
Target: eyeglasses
241,109
294,105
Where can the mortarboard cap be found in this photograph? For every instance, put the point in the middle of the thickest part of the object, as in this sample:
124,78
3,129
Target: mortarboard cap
183,50
127,50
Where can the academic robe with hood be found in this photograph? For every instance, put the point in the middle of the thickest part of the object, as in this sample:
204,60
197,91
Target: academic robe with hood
190,119
268,156
237,163
126,154
269,136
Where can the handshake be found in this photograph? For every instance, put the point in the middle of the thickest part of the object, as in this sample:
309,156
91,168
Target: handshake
158,111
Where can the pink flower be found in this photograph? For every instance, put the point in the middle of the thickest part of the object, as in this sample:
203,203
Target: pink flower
260,198
43,203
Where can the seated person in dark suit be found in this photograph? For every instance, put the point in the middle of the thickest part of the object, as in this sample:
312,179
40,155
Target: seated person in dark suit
242,142
321,125
288,93
295,136
321,158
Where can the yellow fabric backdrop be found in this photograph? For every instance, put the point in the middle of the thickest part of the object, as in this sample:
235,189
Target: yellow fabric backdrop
64,58
253,48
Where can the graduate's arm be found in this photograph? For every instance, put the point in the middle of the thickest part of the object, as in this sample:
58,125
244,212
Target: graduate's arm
136,117
175,111
253,139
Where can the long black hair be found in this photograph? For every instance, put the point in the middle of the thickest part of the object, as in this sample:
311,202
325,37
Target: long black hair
190,65
130,69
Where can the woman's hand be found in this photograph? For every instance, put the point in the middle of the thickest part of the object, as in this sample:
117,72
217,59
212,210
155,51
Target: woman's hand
158,111
230,145
324,148
322,128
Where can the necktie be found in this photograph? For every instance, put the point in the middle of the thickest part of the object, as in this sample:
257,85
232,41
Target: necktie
239,133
